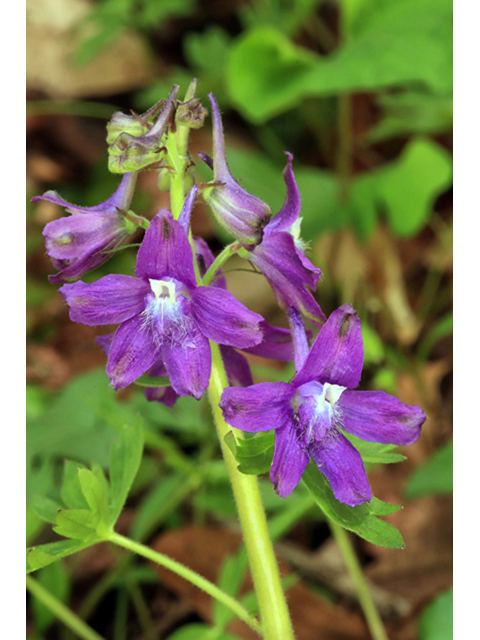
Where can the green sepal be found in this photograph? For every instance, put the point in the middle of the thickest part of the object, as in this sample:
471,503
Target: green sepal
361,520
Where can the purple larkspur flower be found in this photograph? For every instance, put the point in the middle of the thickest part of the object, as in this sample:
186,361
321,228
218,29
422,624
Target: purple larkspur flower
276,343
309,413
241,213
81,242
163,313
280,255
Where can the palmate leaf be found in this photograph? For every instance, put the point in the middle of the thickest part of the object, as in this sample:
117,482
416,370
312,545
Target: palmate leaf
125,458
44,554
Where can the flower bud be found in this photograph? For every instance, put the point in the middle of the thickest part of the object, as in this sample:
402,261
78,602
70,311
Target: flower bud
81,242
134,125
241,213
131,153
191,114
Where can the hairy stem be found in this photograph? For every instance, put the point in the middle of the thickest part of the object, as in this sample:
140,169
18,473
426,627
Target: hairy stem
187,574
369,609
275,618
63,613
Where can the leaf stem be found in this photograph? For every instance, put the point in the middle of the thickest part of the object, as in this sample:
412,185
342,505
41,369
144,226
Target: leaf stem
369,608
222,257
274,613
61,612
187,574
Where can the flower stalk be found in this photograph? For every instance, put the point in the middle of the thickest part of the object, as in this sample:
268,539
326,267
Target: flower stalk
274,615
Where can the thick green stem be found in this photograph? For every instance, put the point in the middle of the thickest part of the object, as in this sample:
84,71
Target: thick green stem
61,612
369,609
275,618
187,574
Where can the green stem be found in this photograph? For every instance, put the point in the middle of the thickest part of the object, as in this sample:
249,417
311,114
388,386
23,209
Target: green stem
220,260
274,613
61,612
369,609
187,574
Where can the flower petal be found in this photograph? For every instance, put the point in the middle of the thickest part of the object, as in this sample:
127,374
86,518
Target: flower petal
236,367
110,300
300,342
289,460
277,257
225,320
342,465
188,362
186,212
292,205
165,395
261,407
205,259
336,355
132,353
165,251
276,344
377,416
121,198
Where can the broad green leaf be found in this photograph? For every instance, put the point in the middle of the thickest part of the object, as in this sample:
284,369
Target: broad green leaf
75,523
435,477
373,351
54,578
71,492
94,491
359,519
125,460
207,50
436,620
410,185
375,452
45,508
380,508
267,74
44,554
254,455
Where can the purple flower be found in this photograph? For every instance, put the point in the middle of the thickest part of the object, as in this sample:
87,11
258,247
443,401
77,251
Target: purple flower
276,343
281,259
310,412
80,243
241,213
163,313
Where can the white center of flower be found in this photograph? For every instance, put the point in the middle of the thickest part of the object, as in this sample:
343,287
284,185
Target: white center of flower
163,289
330,393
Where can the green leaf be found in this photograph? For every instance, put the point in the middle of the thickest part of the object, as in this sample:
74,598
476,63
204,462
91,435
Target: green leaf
79,524
373,350
254,455
436,620
71,491
95,494
230,580
410,185
442,328
45,508
375,452
267,74
435,477
152,381
55,579
43,555
125,459
361,520
199,631
380,508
